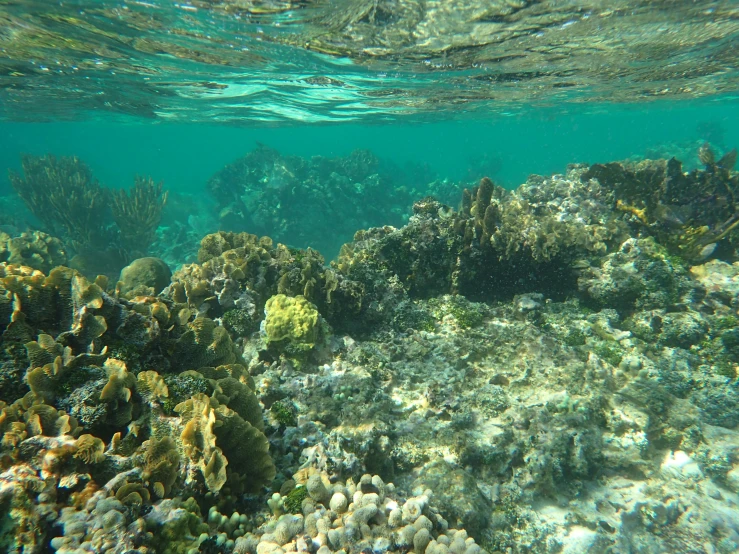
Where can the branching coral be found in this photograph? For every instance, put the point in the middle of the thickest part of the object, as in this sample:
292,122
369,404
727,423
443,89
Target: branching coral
64,196
70,203
137,212
499,243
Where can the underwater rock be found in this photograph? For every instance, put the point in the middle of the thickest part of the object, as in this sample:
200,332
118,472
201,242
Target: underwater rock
149,275
640,275
459,499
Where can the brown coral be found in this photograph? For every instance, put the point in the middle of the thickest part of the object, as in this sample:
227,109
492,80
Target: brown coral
162,462
204,344
216,436
33,249
90,450
689,213
63,195
199,440
137,212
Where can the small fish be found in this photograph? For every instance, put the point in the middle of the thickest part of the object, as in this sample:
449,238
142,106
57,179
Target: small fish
668,216
706,252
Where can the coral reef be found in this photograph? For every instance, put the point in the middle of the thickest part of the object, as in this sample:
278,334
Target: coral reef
353,517
692,214
318,202
33,249
137,213
543,370
70,203
242,271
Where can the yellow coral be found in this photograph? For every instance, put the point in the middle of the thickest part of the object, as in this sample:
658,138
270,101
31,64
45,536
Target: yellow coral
199,440
120,381
162,463
291,318
641,214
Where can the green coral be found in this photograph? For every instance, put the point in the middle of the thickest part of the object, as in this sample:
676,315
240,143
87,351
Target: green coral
467,314
176,531
608,352
413,315
204,344
239,322
183,386
291,319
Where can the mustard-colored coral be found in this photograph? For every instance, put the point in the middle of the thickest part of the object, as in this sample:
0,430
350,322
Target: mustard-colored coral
90,449
204,344
215,436
291,318
34,249
152,385
199,440
162,464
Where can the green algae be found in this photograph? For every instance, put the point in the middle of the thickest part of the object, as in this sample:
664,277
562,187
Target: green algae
294,499
284,413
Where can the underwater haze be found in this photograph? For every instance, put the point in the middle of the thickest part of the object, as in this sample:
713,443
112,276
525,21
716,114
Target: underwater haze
369,277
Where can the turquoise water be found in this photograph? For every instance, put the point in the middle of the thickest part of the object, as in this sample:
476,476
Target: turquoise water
542,141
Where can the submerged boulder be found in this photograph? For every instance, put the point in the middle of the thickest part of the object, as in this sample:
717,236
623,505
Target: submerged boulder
143,274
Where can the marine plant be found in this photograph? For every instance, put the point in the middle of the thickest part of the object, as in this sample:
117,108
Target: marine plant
137,213
65,197
103,229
